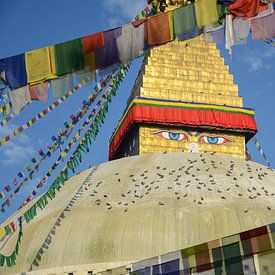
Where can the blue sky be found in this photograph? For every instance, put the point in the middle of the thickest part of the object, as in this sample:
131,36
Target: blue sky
32,24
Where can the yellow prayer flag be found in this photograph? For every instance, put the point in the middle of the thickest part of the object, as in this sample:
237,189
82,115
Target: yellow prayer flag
77,136
7,108
40,65
1,110
2,232
206,12
90,61
16,132
63,154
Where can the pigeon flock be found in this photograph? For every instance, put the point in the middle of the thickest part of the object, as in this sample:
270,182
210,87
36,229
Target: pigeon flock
200,174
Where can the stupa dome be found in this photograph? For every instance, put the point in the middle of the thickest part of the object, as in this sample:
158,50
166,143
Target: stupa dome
139,207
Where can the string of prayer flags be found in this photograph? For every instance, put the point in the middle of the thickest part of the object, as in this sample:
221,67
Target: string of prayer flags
46,111
62,134
63,176
7,119
259,147
40,65
75,159
69,57
11,259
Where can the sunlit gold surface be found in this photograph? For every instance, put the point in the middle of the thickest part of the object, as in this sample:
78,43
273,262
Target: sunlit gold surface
189,71
152,143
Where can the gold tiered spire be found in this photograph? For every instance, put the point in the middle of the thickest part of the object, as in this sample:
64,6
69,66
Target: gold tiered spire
192,72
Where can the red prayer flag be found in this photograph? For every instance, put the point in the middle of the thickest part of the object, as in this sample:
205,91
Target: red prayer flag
246,8
12,226
92,42
14,181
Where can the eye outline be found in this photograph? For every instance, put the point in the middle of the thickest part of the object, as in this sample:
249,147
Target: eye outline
165,134
224,140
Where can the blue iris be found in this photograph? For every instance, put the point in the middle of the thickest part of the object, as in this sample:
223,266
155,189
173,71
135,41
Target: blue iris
212,140
174,136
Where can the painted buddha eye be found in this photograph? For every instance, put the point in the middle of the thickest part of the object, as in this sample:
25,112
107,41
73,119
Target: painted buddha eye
171,135
213,140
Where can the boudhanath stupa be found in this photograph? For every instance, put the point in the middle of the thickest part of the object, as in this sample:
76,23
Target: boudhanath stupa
177,195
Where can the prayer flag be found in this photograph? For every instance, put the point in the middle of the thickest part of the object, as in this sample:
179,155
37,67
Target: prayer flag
20,175
184,20
62,86
8,202
7,188
112,34
206,12
92,42
247,8
15,70
159,29
27,167
90,61
40,65
2,195
39,91
2,232
14,181
34,160
19,99
131,43
54,138
263,28
41,153
69,57
107,55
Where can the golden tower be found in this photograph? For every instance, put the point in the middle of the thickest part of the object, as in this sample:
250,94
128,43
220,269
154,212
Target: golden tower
184,100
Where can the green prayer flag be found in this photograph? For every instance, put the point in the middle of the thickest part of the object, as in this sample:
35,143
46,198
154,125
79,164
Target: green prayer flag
9,262
69,57
2,260
184,20
34,160
7,230
13,257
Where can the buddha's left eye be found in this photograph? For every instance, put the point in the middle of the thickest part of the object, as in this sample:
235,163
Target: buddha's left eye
171,135
213,140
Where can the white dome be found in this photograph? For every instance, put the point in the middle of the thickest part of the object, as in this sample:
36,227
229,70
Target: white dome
139,207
